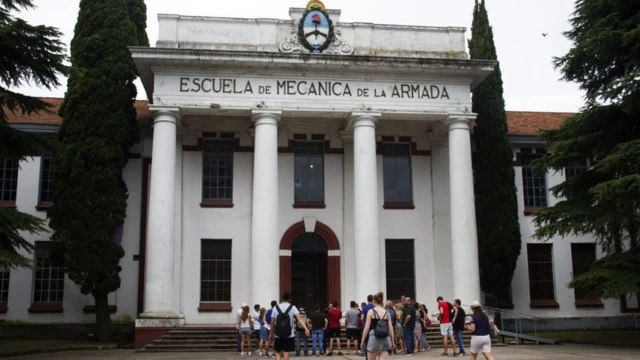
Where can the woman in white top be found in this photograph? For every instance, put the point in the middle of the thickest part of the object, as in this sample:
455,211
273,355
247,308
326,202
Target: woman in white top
377,347
245,324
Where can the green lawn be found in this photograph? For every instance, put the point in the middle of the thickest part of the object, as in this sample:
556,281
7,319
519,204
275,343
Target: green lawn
10,347
612,337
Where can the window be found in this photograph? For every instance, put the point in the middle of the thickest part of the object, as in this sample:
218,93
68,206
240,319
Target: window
308,172
215,271
46,180
534,183
8,180
48,282
400,265
217,170
540,259
396,165
582,255
4,285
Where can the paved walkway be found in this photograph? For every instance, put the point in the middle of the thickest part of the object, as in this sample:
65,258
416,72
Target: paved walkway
527,352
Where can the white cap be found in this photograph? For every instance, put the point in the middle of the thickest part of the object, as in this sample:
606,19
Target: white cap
244,305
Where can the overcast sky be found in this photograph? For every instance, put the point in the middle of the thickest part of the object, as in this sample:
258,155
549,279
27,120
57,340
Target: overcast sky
525,55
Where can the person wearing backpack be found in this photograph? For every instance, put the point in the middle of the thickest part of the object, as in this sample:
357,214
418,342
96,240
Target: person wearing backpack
378,331
282,327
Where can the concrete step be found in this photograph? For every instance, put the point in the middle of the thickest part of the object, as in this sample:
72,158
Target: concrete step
219,339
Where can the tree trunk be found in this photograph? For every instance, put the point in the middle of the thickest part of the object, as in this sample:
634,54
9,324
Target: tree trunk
103,318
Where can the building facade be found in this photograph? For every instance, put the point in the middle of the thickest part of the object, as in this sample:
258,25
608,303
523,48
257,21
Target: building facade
327,159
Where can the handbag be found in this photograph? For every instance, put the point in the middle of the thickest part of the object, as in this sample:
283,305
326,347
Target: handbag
493,331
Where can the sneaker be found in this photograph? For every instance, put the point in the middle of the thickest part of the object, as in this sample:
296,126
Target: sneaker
249,353
242,353
444,354
340,353
455,354
428,347
462,354
408,354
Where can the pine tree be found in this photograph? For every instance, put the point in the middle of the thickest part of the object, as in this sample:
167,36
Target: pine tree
499,238
28,54
603,200
99,125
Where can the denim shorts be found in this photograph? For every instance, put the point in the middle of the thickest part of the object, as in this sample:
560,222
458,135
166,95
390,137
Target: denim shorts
245,331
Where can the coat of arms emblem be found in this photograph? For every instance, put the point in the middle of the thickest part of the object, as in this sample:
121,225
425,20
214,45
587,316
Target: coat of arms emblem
315,31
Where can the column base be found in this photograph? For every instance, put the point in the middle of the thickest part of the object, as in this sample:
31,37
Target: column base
152,326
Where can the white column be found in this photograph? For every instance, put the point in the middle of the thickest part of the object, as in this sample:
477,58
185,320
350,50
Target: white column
366,206
158,287
464,238
265,238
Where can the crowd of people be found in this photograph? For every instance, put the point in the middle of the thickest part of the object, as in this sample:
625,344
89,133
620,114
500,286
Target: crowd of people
375,329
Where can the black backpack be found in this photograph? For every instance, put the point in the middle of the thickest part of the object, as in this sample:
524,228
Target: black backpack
452,311
381,330
283,322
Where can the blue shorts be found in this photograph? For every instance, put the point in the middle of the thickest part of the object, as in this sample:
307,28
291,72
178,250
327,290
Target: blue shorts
264,333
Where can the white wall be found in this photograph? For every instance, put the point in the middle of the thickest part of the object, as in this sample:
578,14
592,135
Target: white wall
21,280
562,264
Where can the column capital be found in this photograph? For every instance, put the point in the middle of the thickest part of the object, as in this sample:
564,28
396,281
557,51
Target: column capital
363,118
460,121
162,113
261,116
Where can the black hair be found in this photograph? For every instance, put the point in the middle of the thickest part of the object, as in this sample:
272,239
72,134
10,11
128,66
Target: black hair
354,304
458,302
335,304
256,307
286,296
274,303
369,298
439,298
316,308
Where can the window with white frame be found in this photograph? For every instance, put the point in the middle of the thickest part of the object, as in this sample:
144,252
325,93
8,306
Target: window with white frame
8,180
396,172
48,282
215,271
4,284
534,183
308,172
217,170
46,180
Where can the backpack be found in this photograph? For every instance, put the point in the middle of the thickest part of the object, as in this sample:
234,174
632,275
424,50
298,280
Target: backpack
283,323
381,330
452,311
303,318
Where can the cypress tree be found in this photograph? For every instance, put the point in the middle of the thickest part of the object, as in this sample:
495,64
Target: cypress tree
28,54
499,238
99,125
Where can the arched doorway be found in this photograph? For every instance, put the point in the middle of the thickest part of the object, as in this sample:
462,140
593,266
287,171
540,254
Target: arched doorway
310,264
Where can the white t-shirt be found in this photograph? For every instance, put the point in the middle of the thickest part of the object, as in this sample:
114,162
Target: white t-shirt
292,315
256,320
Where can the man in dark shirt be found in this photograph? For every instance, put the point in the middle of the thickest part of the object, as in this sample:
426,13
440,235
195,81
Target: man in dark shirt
409,323
458,324
319,323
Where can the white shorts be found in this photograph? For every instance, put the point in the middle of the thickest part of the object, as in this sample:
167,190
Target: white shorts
480,344
446,329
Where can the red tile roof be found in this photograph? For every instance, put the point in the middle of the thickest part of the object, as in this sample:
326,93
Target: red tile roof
530,123
520,122
51,117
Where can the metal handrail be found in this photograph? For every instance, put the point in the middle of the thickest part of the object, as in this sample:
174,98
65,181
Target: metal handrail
517,319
